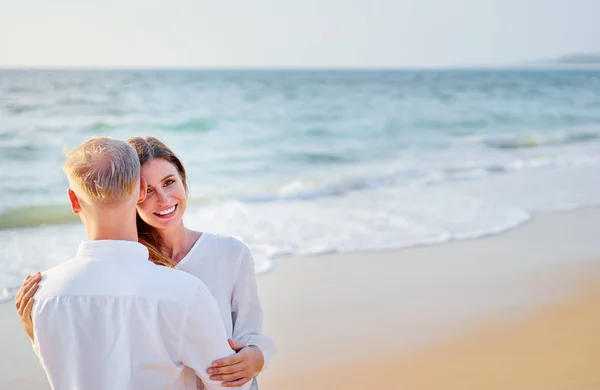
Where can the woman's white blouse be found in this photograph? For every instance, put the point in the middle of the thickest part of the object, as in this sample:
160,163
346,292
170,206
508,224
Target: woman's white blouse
226,266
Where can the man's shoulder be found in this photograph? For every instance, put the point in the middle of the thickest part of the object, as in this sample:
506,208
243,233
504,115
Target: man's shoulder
56,280
63,270
133,278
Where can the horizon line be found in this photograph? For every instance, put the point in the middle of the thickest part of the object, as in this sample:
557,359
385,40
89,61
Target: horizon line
538,65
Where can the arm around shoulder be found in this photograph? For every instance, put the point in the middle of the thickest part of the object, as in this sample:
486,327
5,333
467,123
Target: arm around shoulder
203,338
246,309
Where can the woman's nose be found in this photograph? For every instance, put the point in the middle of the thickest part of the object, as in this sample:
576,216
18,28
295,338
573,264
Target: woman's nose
162,197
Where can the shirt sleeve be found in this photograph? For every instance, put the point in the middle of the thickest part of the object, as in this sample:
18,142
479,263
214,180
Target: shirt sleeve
246,311
203,337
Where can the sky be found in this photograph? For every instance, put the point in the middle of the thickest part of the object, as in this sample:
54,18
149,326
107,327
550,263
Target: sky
293,33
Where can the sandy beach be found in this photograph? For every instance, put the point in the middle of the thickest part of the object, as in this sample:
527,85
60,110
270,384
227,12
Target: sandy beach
555,347
513,311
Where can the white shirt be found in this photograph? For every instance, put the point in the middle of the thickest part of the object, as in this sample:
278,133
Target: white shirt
110,319
226,266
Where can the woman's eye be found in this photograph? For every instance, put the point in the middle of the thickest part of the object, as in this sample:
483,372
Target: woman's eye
169,182
149,190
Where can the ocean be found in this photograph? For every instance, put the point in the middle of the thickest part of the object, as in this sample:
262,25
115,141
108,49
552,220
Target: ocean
307,162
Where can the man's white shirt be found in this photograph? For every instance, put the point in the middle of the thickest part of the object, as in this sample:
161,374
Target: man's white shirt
110,319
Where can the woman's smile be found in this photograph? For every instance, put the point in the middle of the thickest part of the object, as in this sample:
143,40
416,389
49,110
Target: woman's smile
166,213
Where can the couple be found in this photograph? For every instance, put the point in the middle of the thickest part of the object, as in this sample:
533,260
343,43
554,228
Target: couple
111,319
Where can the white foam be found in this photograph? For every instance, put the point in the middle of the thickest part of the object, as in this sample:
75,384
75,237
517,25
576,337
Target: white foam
418,199
26,251
389,218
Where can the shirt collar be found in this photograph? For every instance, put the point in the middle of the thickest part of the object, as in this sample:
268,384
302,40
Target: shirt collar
113,250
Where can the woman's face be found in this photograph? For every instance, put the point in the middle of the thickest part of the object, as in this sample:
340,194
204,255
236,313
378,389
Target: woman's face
166,198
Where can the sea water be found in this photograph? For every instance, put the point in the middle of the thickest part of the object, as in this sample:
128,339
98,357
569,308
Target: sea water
304,162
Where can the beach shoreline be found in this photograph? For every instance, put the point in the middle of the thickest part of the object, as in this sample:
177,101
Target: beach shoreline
344,320
386,306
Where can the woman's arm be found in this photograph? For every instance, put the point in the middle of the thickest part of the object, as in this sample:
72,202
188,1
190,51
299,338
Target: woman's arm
246,309
256,349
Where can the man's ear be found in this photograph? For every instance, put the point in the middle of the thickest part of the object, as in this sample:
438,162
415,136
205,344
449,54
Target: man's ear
143,189
74,202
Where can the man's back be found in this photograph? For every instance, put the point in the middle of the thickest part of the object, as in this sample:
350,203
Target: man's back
110,319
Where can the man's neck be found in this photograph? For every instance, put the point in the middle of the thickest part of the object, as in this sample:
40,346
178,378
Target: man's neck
109,234
112,227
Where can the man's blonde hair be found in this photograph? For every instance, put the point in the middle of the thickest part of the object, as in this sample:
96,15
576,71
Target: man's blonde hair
103,170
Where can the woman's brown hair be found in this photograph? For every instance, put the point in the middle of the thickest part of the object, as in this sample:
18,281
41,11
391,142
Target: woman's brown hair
149,148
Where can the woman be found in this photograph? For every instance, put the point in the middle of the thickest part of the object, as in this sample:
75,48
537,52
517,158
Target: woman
223,263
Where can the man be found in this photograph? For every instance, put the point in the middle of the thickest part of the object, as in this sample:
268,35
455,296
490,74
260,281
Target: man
109,318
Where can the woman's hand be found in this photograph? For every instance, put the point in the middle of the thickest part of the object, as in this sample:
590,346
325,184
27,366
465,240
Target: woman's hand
24,302
240,368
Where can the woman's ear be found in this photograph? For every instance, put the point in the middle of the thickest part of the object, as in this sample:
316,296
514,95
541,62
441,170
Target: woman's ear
74,202
143,189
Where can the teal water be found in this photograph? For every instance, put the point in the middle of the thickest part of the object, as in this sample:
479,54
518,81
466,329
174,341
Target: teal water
308,161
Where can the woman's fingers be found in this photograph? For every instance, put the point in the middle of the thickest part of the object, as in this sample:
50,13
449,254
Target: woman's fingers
231,377
28,283
24,287
227,369
28,300
237,383
228,361
20,292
